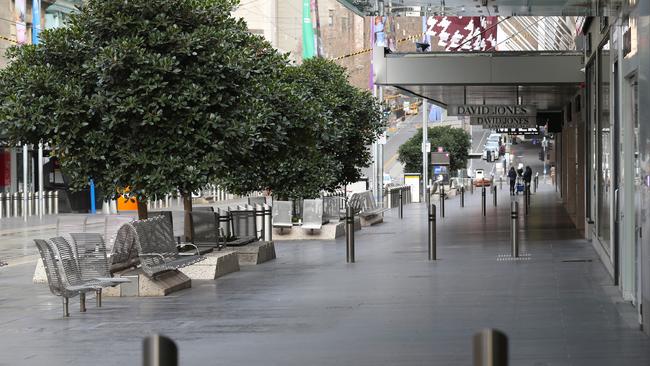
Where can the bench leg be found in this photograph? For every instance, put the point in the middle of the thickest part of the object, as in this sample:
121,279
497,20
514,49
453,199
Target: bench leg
98,297
66,309
82,302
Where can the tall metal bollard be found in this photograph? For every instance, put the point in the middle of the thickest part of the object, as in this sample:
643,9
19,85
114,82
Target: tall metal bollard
349,235
442,200
490,348
462,196
494,196
483,197
56,202
514,228
400,211
159,350
268,222
432,233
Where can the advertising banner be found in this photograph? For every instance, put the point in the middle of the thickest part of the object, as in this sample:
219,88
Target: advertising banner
21,29
463,33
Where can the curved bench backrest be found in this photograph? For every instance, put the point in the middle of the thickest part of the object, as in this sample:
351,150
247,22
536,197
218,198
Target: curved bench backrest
51,270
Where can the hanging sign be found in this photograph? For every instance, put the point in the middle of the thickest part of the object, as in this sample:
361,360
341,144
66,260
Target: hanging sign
503,121
490,110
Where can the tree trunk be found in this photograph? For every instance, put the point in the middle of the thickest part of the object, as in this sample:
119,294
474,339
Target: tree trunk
187,206
143,213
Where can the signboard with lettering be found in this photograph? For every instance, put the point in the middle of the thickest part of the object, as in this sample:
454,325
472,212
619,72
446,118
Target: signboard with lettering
439,158
503,121
519,131
490,110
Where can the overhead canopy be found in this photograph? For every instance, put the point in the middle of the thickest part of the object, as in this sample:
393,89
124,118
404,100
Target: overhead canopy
540,78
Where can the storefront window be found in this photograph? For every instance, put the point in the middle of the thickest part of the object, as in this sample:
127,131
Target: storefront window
604,148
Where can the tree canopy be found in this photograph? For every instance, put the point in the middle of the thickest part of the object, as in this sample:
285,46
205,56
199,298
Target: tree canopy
156,96
327,126
153,95
454,140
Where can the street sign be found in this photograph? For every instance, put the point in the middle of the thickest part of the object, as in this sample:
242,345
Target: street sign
439,158
490,110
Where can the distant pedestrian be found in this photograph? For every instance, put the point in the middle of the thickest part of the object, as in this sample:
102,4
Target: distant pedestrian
512,175
528,177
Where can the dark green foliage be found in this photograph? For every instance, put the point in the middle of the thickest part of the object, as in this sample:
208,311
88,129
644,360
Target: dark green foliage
155,95
454,140
327,125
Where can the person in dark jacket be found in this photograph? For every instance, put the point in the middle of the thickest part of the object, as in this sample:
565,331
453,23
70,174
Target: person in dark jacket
528,176
512,175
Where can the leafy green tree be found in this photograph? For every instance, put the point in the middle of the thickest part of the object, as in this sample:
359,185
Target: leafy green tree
327,126
153,95
454,140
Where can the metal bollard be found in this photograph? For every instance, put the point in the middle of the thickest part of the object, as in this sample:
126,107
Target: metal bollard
483,197
501,182
2,205
56,202
494,196
16,202
471,186
50,202
268,224
349,235
30,200
432,233
514,228
490,348
7,204
442,200
400,211
159,350
462,196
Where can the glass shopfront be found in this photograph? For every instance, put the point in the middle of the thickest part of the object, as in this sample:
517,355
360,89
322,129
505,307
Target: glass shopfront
604,150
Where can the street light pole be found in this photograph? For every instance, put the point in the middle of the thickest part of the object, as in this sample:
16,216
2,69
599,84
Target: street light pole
425,140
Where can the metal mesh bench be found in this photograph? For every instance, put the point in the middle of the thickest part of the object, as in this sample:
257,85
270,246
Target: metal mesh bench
205,230
157,249
125,252
244,224
312,214
282,213
226,231
57,281
363,203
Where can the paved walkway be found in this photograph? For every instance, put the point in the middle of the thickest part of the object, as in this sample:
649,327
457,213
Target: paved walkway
392,307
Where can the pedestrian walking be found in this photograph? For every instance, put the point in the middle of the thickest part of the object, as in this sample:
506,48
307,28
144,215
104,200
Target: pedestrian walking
528,177
512,175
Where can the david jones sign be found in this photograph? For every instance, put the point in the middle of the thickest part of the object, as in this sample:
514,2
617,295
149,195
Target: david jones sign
496,116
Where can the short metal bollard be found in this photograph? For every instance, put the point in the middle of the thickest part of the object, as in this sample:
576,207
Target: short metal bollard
2,205
56,202
7,204
432,233
514,228
400,211
471,186
159,350
462,196
30,203
16,202
50,202
483,198
490,348
494,197
349,235
442,200
501,182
